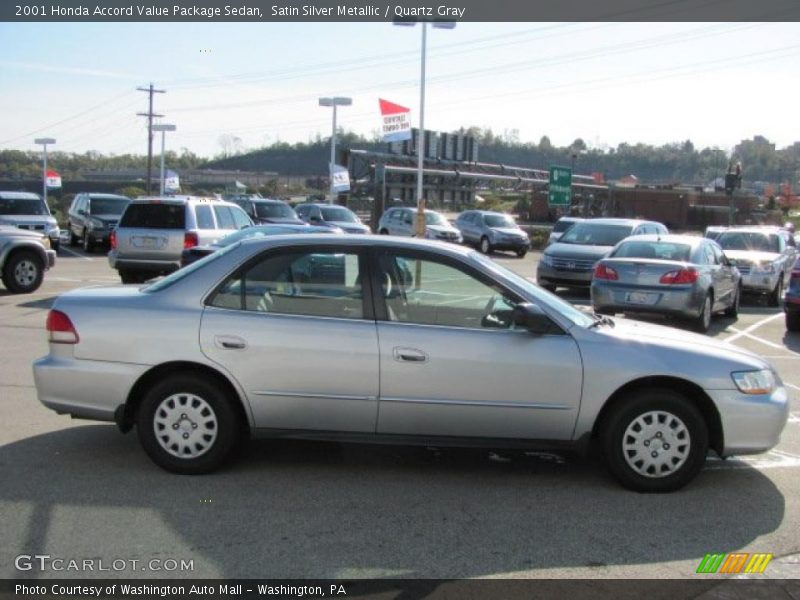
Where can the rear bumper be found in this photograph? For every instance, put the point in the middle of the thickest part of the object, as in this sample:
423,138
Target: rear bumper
143,265
759,282
565,277
86,389
683,302
751,424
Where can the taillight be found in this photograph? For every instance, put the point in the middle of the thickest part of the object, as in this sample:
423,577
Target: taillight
601,271
60,328
112,240
681,276
190,240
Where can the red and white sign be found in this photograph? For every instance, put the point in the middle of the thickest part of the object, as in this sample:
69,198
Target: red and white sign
53,180
396,125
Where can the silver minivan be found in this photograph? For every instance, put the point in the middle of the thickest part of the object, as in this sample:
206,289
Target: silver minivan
153,232
401,221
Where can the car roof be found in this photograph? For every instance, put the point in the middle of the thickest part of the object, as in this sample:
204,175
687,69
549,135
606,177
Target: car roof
492,212
320,204
19,196
266,200
93,195
179,200
763,230
617,221
375,241
574,219
673,238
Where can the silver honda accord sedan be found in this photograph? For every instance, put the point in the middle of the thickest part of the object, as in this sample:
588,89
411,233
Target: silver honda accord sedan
404,341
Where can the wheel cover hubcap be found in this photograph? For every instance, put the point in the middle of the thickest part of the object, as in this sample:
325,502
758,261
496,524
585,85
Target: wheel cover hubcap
707,313
656,444
185,425
25,273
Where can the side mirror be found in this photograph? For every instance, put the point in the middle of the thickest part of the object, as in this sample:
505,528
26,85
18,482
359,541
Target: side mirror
83,212
532,318
730,262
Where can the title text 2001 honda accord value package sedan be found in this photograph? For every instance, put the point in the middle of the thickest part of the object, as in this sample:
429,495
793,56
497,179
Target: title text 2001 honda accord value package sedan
382,339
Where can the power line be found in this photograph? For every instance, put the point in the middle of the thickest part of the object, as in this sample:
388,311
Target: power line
150,114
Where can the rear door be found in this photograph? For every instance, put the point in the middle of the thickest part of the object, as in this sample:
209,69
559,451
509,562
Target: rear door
151,231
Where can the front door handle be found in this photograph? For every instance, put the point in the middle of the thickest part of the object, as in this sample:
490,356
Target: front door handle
409,355
230,342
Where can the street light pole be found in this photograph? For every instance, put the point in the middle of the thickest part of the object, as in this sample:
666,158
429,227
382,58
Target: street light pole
44,142
334,102
163,128
420,228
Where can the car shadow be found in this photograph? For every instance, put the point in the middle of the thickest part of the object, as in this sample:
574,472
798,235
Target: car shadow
313,509
791,339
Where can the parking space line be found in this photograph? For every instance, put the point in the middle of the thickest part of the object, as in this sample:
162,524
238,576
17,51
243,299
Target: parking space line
68,251
791,385
762,340
753,327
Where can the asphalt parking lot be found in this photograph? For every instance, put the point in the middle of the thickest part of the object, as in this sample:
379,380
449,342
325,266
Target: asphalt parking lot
81,490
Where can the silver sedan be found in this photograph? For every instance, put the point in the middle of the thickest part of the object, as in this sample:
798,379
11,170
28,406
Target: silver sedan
674,275
368,338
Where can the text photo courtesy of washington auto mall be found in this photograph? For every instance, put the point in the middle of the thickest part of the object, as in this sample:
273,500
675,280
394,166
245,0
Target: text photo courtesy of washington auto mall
381,300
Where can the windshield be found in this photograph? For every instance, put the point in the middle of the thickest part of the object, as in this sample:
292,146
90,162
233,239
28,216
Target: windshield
562,226
657,250
752,241
175,276
23,206
595,234
338,213
434,218
108,206
498,221
274,210
536,293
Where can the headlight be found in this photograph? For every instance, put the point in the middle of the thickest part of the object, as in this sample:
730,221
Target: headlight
754,382
547,260
764,268
46,242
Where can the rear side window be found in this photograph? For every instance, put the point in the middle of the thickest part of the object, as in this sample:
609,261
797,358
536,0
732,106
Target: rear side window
154,216
241,219
205,220
224,217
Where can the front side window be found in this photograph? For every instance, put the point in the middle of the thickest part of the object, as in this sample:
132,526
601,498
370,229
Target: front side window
274,210
312,283
426,292
339,214
499,221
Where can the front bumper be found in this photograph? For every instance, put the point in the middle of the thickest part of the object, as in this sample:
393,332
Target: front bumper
51,258
512,244
678,302
85,389
577,277
751,424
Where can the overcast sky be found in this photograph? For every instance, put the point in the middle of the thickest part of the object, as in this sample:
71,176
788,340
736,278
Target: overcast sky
604,82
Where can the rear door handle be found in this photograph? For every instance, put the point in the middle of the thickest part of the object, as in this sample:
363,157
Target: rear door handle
409,355
230,342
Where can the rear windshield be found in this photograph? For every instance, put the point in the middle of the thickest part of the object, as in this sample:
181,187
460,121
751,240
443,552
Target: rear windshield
108,206
747,240
658,250
26,206
596,234
275,210
154,216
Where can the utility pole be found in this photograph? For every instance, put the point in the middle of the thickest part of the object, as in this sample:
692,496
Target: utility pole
149,114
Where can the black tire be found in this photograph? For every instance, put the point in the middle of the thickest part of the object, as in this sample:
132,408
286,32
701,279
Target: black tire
521,253
56,246
775,296
629,464
383,232
733,309
548,286
203,414
605,311
73,239
23,272
793,321
702,322
88,245
485,246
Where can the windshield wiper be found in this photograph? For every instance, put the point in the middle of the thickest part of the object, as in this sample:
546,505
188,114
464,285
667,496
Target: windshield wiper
601,320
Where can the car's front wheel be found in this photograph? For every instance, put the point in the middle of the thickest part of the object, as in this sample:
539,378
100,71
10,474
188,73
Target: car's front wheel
187,424
733,309
522,252
23,272
774,298
485,245
654,441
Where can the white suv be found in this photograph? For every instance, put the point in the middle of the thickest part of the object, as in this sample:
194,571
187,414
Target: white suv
153,232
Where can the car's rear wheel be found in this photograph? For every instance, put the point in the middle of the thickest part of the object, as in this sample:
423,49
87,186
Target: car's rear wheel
383,232
702,322
654,441
187,425
485,245
23,272
733,309
774,298
793,321
521,253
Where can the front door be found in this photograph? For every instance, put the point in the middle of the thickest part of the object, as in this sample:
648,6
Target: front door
452,363
296,331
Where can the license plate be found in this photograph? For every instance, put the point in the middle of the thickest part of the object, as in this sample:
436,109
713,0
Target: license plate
640,298
147,242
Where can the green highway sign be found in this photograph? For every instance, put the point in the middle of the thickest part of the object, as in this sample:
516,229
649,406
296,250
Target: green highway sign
560,186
